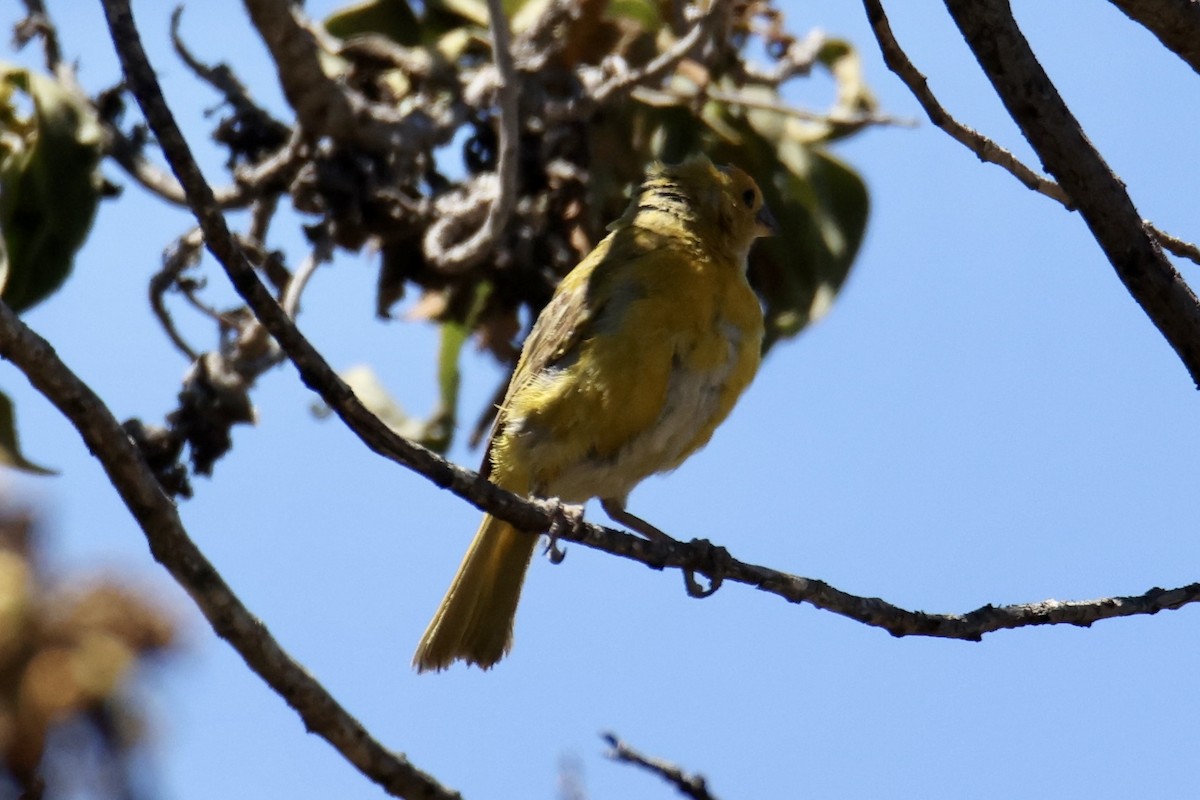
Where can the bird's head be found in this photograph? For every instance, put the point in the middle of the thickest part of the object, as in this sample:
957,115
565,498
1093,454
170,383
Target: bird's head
727,203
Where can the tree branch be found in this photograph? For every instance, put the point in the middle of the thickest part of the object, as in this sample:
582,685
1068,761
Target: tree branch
325,106
660,65
173,548
1100,197
983,147
693,786
1176,23
38,23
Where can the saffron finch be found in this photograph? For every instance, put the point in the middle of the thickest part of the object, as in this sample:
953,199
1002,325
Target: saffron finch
640,354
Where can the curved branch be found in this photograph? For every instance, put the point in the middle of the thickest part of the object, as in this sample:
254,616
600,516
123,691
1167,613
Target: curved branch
987,150
693,786
158,518
175,550
467,254
983,147
1176,23
323,105
660,65
38,23
1099,195
160,183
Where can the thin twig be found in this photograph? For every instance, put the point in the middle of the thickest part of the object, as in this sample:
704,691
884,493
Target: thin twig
324,105
321,253
38,23
222,79
160,183
987,150
184,252
659,66
1173,244
467,254
983,147
1099,195
693,786
174,549
797,60
656,96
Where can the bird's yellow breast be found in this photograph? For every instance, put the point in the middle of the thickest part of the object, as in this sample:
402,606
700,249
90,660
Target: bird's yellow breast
672,337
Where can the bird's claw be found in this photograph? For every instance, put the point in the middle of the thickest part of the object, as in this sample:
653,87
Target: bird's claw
713,559
694,589
563,518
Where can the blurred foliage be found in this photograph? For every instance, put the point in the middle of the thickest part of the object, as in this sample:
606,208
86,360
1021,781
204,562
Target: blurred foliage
69,651
49,184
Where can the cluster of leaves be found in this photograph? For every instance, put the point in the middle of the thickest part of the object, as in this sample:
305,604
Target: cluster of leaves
603,89
66,660
579,156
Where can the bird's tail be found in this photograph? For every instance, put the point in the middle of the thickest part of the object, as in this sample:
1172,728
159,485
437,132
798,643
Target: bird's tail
474,623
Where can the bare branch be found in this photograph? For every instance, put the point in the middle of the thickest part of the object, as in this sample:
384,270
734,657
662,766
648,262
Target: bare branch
1176,23
156,513
175,550
184,252
322,106
1174,244
467,254
983,147
321,253
219,77
1034,103
693,786
38,23
798,59
325,106
129,157
980,145
660,65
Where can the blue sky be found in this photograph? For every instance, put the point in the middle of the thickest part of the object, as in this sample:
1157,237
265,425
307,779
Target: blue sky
984,417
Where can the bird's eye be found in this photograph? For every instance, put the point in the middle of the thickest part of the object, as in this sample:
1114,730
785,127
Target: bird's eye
748,197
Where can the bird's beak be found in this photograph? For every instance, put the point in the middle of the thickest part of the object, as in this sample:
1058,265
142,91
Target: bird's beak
765,223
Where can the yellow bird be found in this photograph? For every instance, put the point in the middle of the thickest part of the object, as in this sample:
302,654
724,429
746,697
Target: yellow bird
640,354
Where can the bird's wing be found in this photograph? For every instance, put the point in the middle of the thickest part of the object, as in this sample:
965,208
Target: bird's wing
558,329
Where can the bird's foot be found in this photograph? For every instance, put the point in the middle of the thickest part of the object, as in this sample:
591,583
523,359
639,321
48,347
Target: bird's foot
713,560
563,519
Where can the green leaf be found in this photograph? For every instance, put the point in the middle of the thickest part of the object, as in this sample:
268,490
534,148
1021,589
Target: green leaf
10,450
644,13
473,11
372,394
49,184
391,18
440,429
